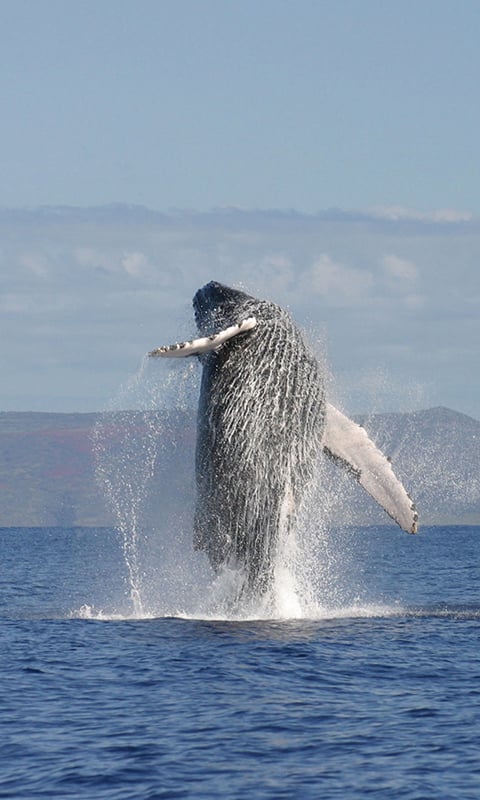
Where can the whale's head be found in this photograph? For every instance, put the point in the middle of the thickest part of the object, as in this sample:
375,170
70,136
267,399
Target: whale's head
221,313
217,307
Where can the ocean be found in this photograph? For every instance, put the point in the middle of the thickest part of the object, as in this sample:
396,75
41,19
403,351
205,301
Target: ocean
370,689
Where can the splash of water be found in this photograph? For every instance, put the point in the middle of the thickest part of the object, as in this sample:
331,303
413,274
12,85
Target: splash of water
127,442
145,463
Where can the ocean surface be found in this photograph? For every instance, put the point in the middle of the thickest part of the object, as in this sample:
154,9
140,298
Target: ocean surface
371,689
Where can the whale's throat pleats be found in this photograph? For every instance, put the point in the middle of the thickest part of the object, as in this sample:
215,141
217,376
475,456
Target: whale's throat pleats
260,426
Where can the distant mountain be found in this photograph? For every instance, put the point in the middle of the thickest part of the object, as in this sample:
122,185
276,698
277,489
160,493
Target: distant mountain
48,465
437,454
47,471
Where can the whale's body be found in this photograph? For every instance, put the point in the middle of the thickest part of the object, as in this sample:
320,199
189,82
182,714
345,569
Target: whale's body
260,424
263,421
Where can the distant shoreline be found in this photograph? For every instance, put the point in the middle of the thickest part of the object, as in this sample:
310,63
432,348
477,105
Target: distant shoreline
48,466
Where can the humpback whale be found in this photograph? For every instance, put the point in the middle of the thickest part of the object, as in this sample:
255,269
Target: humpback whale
263,421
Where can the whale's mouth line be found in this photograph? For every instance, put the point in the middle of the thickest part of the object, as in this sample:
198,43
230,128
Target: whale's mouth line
204,344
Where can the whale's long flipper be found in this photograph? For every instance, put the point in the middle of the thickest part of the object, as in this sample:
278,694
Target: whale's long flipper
205,343
348,444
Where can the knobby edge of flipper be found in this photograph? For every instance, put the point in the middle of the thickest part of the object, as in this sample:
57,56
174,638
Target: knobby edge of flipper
204,344
348,444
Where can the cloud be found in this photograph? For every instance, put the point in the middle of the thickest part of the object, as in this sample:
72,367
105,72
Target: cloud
399,213
272,275
36,263
135,264
401,278
96,258
90,289
337,284
400,269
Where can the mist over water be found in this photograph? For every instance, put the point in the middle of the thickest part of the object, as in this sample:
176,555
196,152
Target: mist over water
133,441
136,455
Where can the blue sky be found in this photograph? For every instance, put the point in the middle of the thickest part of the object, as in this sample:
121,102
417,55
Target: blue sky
264,104
367,109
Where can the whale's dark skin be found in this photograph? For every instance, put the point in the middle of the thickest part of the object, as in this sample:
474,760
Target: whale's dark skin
261,418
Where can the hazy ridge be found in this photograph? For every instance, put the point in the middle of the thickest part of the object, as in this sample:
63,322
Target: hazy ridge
47,465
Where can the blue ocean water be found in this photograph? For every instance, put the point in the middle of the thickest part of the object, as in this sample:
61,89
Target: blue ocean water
375,693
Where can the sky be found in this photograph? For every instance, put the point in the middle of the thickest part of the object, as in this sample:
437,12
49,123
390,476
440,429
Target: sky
357,121
390,299
297,104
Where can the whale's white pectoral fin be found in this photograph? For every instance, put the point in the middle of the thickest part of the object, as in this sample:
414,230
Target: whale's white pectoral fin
205,344
348,443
